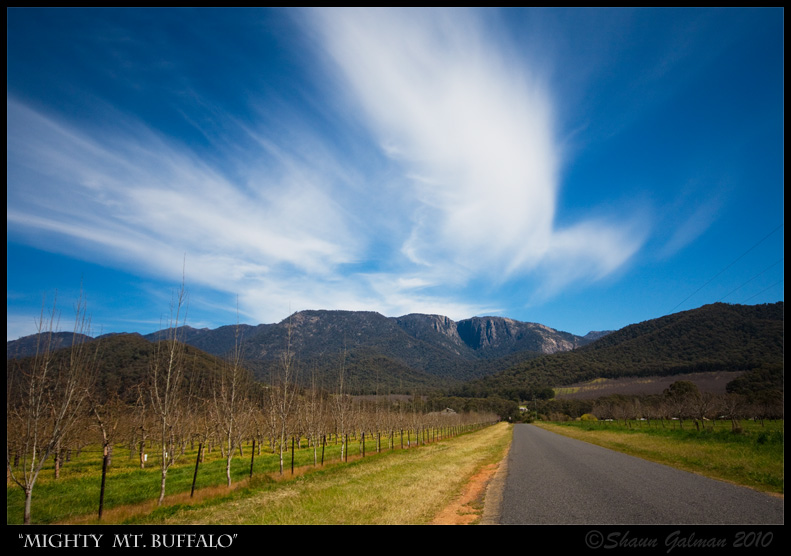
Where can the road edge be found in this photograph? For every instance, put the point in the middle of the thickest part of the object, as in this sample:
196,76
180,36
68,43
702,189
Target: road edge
493,499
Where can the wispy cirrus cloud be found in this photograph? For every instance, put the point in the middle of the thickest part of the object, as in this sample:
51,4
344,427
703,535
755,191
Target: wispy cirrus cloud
280,238
142,201
290,213
473,130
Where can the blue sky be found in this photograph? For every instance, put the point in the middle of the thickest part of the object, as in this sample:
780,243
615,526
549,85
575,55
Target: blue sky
584,169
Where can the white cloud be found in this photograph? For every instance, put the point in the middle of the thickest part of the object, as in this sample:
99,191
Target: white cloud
684,229
466,125
142,203
473,130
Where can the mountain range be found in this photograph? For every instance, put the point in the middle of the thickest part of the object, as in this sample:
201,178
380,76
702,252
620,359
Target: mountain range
377,352
480,355
388,353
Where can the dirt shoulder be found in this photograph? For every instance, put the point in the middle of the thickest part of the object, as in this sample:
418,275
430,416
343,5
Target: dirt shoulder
479,502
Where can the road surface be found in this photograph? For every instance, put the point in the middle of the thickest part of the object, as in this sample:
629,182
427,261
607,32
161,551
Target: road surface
553,479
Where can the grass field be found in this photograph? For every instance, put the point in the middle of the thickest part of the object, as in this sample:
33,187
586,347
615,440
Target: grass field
752,458
392,487
714,382
398,486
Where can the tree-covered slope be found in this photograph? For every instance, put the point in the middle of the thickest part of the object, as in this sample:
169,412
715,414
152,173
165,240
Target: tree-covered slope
718,337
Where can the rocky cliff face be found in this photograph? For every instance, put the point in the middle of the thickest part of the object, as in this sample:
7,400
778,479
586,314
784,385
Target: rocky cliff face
499,335
437,329
488,336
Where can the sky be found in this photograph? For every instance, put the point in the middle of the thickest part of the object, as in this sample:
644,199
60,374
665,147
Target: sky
585,169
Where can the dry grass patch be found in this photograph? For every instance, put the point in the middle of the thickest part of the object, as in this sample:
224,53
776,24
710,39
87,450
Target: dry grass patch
399,487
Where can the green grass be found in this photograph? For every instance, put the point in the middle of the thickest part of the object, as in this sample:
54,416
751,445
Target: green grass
566,390
398,487
76,493
754,457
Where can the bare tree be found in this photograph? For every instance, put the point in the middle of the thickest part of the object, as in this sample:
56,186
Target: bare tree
314,414
166,387
767,404
679,396
269,406
704,406
654,409
732,406
623,410
45,397
230,392
141,425
342,405
283,391
258,416
203,422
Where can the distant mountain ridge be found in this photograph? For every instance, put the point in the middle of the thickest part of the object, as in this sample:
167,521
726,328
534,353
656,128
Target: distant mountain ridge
415,338
434,347
426,350
28,345
476,337
485,356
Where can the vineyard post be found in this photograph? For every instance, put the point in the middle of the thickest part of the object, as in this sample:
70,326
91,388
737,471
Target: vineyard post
104,478
252,458
195,474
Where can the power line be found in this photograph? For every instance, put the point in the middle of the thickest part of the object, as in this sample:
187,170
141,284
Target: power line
727,267
751,279
763,290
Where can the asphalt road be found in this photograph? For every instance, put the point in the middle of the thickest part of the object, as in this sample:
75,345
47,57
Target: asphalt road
553,479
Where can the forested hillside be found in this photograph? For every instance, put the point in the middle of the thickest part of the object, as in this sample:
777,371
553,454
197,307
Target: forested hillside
718,337
475,358
123,364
